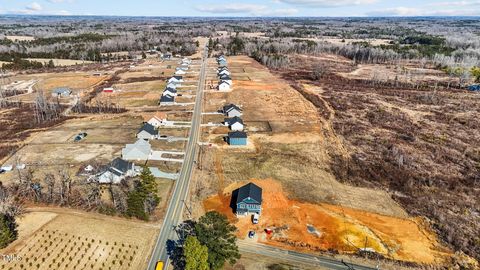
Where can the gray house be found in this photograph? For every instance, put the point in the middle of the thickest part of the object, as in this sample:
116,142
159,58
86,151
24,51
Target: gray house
249,200
232,110
140,150
147,132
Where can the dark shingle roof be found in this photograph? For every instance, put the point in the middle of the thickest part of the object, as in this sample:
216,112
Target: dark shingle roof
230,107
250,190
118,166
148,128
167,98
178,77
237,134
233,120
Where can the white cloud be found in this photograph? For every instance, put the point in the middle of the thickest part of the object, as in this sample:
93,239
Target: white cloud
454,4
327,3
406,12
231,8
34,7
246,9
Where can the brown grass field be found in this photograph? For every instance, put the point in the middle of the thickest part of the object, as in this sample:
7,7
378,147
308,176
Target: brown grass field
298,151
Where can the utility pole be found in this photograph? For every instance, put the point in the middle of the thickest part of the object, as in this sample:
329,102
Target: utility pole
188,209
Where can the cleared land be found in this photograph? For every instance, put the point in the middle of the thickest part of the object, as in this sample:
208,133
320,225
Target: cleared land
332,227
419,142
60,62
59,239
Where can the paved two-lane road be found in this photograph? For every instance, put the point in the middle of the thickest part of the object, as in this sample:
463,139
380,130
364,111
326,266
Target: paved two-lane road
176,206
293,257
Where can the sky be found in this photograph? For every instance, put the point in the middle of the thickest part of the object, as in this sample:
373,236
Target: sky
243,8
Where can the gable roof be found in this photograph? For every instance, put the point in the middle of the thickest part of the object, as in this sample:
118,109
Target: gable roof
167,98
229,107
251,191
224,82
178,77
225,77
149,129
233,120
121,165
158,115
62,90
237,134
140,145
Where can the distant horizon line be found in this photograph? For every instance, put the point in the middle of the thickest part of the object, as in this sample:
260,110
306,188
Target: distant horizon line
235,17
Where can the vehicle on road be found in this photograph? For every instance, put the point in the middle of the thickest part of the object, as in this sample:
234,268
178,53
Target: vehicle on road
159,265
251,234
255,218
163,136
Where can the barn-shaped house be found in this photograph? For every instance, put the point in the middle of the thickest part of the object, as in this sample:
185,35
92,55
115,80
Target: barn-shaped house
249,200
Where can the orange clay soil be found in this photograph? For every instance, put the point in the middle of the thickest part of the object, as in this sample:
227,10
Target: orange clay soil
338,228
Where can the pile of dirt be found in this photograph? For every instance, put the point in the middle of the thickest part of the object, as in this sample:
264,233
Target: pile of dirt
342,229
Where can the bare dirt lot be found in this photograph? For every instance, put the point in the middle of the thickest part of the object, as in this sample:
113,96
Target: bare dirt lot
333,227
60,239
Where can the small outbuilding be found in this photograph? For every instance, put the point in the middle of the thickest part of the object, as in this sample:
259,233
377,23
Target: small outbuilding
237,138
248,200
